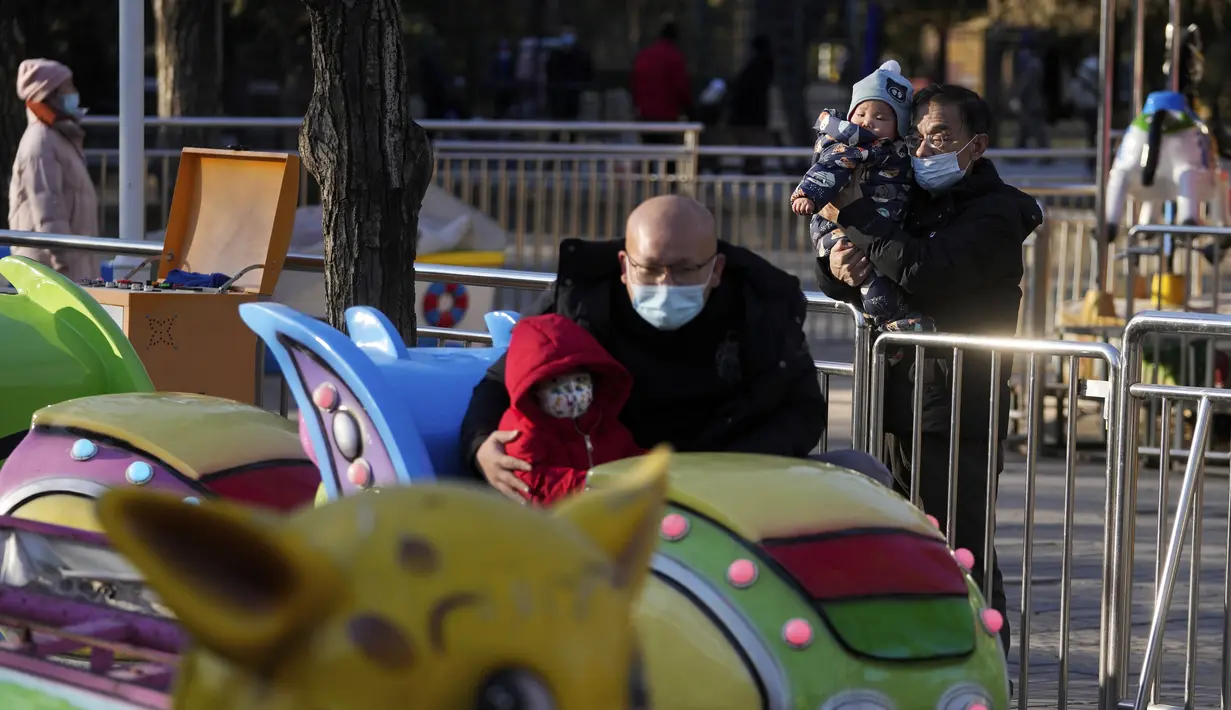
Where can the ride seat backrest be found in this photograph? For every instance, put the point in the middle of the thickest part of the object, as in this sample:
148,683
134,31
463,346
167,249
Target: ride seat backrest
434,383
375,413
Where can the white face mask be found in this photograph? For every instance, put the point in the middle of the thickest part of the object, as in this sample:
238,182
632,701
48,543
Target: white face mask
567,396
937,173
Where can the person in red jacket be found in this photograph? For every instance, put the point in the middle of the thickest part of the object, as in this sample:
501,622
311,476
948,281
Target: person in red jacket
566,393
660,87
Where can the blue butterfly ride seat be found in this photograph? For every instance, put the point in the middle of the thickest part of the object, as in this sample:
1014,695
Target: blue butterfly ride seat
375,412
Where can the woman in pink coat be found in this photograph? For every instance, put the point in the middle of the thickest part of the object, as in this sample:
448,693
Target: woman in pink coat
51,189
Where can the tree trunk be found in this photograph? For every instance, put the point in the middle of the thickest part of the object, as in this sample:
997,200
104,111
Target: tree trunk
188,65
12,111
372,161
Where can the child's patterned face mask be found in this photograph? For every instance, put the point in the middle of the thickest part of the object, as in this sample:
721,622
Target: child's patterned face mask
567,396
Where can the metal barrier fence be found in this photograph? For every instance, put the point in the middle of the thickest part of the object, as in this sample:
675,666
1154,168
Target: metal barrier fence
545,181
956,346
1190,504
541,192
541,198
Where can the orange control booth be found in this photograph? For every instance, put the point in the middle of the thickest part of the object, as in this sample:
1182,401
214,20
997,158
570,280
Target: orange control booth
232,213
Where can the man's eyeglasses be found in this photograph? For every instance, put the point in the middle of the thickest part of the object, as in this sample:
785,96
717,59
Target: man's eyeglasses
682,273
940,142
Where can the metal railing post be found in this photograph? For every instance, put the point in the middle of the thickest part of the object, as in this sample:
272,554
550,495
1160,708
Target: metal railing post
1040,279
690,166
860,416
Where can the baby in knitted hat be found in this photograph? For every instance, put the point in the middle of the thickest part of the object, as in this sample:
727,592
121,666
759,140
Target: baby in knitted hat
871,136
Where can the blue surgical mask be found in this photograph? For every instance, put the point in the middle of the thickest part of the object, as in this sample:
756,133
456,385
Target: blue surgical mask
71,103
937,173
668,307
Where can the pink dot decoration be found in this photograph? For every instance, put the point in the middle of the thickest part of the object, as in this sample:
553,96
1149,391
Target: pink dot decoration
993,621
306,441
977,706
935,523
797,633
965,558
674,527
359,473
742,573
325,397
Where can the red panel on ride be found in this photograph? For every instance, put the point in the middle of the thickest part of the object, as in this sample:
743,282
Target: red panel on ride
870,564
282,486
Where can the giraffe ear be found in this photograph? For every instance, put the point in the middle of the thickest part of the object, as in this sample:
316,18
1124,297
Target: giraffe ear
237,585
623,519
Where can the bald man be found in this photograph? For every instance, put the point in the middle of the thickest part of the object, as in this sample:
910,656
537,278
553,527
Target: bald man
711,332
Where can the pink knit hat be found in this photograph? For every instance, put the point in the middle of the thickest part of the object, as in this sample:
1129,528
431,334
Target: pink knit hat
39,78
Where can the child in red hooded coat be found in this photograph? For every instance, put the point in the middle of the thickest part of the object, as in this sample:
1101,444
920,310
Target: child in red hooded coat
566,393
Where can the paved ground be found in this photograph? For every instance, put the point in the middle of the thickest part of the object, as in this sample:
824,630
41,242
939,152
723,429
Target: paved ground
1039,682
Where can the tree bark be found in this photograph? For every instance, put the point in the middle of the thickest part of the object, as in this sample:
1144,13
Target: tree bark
372,161
12,111
188,65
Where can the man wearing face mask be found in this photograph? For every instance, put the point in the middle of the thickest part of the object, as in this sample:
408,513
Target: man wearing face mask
711,333
958,255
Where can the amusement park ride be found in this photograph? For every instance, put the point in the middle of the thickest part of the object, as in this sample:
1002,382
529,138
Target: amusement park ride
190,550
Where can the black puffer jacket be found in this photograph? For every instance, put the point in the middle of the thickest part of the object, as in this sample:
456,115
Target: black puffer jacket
737,378
958,256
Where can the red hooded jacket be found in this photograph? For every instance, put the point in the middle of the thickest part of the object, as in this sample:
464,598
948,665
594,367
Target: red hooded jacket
562,451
